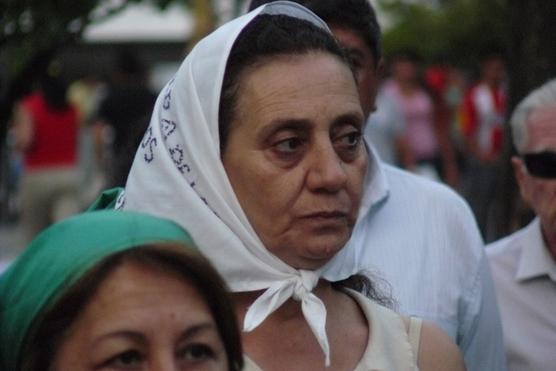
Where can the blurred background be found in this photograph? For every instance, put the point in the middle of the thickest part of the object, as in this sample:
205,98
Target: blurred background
111,54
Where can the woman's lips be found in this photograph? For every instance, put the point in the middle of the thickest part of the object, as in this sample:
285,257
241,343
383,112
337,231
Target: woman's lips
326,218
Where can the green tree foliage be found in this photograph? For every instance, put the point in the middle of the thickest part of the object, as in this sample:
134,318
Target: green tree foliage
32,27
454,31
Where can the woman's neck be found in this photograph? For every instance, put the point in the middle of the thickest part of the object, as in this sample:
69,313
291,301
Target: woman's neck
289,310
285,341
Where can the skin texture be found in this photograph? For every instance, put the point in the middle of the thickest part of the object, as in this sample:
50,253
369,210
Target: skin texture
437,352
295,157
143,319
539,193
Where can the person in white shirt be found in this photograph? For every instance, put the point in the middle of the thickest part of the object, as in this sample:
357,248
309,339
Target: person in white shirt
418,235
524,263
384,129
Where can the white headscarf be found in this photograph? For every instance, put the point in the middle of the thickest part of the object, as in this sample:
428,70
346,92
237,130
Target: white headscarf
177,173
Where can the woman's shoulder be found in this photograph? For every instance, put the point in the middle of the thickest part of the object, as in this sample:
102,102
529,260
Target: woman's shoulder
389,345
405,337
437,351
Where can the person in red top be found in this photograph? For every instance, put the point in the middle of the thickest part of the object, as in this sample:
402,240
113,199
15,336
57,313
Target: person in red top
45,128
483,111
482,124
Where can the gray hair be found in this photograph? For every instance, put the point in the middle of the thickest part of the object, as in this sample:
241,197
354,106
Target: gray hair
543,95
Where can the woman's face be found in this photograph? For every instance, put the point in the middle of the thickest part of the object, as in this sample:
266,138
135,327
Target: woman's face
143,319
295,157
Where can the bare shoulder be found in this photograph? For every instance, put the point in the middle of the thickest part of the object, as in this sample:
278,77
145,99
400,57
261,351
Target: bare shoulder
437,352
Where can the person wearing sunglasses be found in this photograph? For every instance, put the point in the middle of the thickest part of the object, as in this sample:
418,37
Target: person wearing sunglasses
524,263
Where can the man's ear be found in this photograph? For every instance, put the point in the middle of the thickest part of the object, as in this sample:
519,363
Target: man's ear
521,176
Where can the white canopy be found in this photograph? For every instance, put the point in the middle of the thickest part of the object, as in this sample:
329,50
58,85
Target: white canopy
141,22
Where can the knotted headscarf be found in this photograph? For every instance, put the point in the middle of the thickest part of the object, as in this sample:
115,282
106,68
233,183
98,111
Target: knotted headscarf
178,173
60,256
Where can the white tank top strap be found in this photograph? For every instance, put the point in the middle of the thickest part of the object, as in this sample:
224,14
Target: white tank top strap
414,334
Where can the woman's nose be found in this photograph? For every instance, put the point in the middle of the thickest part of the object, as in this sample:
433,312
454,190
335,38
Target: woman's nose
326,170
164,361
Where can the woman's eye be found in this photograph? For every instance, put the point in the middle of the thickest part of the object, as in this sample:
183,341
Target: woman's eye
289,145
350,141
197,352
125,360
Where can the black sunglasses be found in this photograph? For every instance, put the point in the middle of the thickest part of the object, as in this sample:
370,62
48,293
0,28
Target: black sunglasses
541,164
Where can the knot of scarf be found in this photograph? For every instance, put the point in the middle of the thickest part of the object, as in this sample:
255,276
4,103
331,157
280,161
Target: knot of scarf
300,289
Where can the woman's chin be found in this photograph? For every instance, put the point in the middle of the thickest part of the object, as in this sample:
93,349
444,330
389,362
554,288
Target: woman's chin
317,252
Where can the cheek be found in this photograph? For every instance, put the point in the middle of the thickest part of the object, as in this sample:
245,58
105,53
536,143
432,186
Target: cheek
265,194
543,198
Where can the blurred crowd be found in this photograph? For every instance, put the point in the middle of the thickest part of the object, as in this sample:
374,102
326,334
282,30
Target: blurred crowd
444,122
441,121
70,139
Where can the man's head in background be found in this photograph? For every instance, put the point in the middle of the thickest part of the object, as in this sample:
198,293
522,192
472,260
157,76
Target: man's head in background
354,25
533,125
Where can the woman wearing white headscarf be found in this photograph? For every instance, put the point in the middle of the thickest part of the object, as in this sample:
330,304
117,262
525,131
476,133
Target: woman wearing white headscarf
255,147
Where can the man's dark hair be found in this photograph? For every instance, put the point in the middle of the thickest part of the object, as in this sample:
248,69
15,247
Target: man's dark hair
356,15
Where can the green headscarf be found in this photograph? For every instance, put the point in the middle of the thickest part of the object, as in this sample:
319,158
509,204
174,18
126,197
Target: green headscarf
61,255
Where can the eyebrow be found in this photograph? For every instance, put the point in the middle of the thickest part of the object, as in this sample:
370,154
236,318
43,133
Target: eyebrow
196,329
350,118
353,52
141,338
284,124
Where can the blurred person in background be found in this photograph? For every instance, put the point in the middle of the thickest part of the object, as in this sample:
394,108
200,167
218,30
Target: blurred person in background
482,124
446,85
524,263
417,233
122,118
45,130
385,128
427,150
85,94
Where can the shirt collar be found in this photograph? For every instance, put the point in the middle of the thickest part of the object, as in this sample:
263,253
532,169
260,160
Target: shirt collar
535,259
379,188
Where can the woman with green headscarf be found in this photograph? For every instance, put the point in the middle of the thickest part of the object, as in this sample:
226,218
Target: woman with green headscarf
112,290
